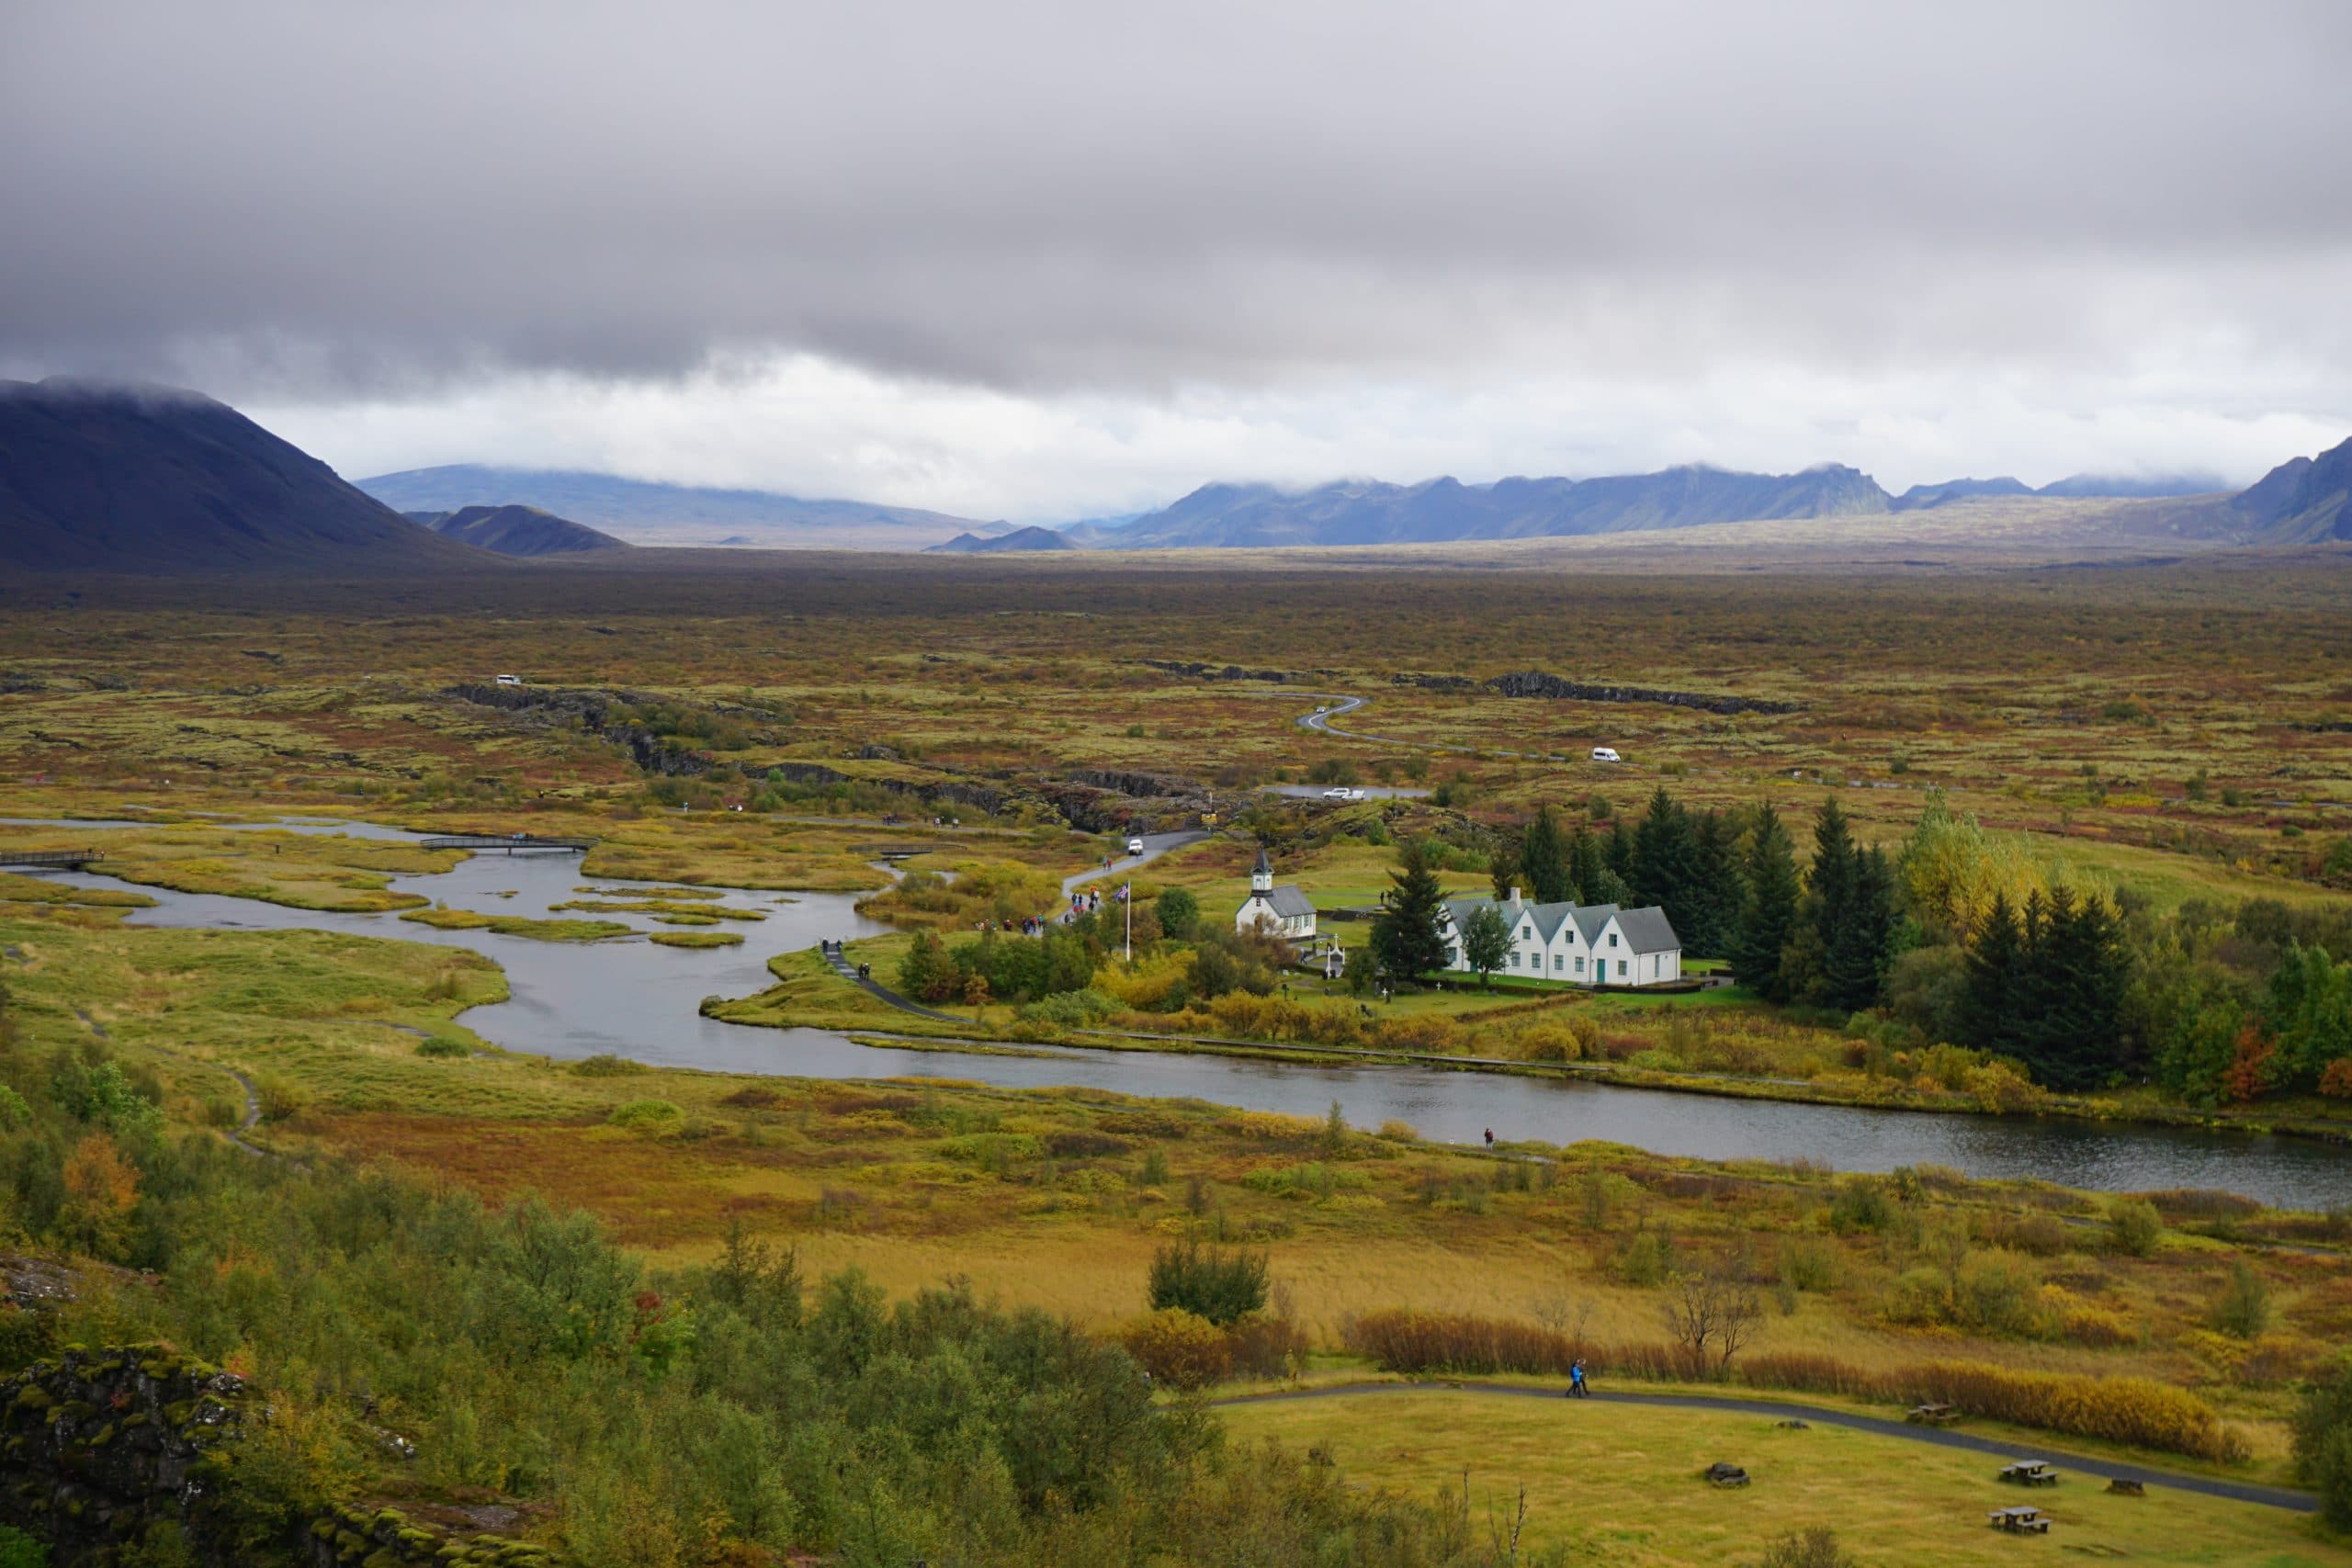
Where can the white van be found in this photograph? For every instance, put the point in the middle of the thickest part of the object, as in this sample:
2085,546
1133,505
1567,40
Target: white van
1606,754
510,680
1134,846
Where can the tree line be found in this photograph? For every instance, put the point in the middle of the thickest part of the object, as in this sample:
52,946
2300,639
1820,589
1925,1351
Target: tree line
1958,935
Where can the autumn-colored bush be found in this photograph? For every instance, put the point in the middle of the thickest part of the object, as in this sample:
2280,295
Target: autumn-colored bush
1264,1346
1810,1372
2335,1082
1404,1341
2137,1410
1178,1348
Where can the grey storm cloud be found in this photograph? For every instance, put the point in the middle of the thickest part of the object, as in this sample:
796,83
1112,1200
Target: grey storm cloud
376,197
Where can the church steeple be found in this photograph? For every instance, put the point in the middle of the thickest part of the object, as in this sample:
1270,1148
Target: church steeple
1261,877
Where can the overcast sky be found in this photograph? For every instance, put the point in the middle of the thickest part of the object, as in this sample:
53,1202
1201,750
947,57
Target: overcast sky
1043,260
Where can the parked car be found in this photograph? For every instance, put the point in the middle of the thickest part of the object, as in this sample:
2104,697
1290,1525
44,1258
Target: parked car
1337,792
510,680
1134,846
1606,754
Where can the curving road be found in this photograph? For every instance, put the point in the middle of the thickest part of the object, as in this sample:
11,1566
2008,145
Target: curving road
1154,846
1939,1437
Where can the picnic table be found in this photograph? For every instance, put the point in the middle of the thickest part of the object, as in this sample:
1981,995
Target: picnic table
1932,1414
2031,1473
2020,1521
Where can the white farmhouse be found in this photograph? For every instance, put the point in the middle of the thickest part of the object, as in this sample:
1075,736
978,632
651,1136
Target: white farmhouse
1283,910
1583,944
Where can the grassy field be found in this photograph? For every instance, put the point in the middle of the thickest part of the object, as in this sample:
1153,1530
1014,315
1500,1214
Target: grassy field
1621,1483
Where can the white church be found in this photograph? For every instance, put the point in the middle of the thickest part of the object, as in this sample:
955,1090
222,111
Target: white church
1583,944
1284,911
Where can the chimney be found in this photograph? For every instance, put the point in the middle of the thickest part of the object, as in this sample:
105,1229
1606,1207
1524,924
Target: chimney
1515,894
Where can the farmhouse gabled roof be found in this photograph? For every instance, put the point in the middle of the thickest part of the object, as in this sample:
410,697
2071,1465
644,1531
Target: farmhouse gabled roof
1593,918
1648,930
1547,918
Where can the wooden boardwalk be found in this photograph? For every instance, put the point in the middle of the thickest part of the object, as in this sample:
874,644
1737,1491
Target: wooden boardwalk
509,843
50,860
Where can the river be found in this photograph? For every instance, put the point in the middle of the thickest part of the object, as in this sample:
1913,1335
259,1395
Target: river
633,999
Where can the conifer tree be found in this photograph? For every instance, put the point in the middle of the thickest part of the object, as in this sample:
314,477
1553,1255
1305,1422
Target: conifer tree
1995,955
1585,867
1618,853
1404,932
1718,890
1665,860
1544,860
1854,968
1768,912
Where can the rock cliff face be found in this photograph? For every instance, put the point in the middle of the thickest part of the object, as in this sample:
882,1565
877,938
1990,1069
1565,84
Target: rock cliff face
100,1446
1535,683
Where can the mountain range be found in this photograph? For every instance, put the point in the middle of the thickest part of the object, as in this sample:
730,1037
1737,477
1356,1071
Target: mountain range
641,513
1368,512
155,480
516,531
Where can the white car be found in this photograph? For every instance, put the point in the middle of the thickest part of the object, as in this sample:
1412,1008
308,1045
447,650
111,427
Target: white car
1134,846
1338,792
1606,754
1354,795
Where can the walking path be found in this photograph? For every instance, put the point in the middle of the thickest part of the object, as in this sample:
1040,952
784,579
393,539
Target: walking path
874,988
1941,1436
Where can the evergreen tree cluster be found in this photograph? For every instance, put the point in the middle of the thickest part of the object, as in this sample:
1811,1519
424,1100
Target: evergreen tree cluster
2046,984
1827,941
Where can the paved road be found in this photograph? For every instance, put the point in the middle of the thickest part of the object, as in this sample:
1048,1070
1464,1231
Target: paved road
848,970
1939,1437
1154,846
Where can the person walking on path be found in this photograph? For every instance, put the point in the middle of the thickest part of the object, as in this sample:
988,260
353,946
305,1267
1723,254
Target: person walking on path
1577,1389
1490,1137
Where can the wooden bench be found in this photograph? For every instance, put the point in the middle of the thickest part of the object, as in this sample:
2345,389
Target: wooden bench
2124,1488
2019,1522
2031,1473
1932,1414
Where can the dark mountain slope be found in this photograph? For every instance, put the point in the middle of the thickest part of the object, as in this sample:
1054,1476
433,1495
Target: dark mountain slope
1020,541
1361,512
156,479
517,531
2305,501
1920,498
640,512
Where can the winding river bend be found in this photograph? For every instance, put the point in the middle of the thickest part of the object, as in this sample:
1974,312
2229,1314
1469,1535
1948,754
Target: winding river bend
633,999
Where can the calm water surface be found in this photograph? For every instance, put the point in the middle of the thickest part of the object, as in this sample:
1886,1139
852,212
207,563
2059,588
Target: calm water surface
628,997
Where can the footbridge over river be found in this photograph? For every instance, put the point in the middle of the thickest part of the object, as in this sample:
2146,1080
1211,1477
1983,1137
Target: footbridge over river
50,860
509,843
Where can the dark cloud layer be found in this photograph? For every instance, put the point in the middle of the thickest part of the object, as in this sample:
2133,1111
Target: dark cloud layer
317,200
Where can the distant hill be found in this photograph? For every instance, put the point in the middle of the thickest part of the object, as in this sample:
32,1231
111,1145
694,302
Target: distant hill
517,531
643,513
1364,512
2135,488
1019,540
1919,498
132,478
2304,501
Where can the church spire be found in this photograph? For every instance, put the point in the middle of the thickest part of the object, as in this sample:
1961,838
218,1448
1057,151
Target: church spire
1261,877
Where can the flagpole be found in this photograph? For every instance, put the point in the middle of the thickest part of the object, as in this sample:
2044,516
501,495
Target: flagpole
1127,897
